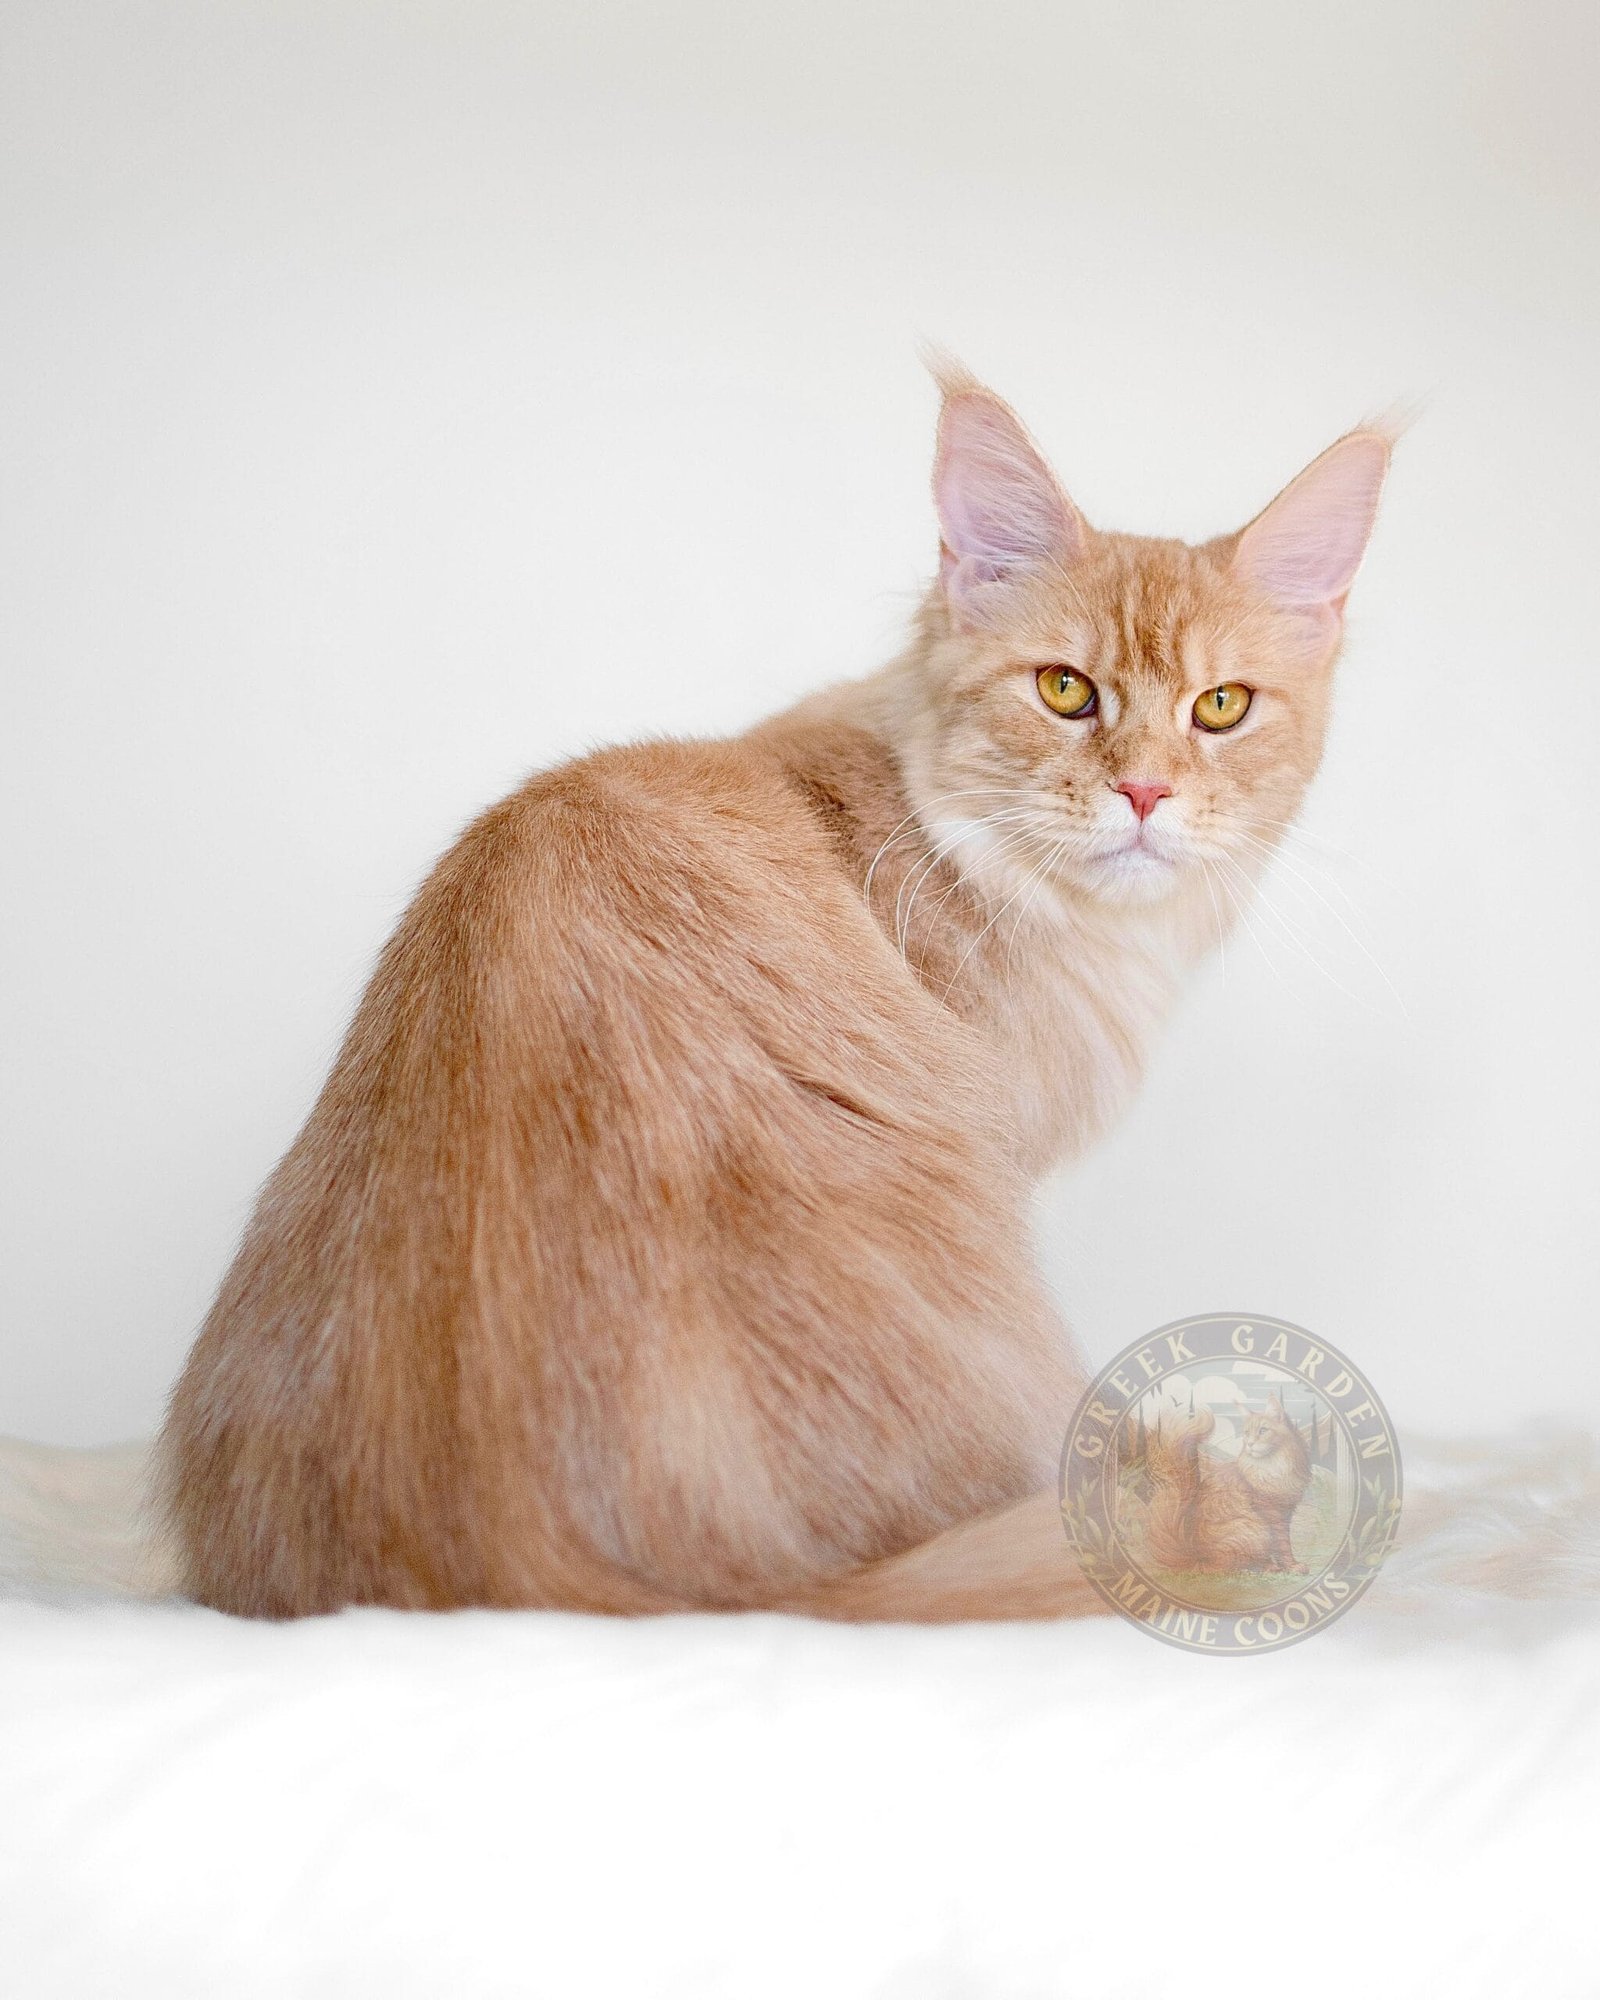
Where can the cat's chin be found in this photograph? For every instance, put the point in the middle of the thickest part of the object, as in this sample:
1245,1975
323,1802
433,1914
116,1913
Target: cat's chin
1135,875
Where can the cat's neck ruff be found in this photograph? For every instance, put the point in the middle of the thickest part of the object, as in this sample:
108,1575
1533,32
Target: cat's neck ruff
1067,990
1081,993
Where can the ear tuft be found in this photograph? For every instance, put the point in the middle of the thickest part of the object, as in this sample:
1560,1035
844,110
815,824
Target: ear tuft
1305,549
1000,508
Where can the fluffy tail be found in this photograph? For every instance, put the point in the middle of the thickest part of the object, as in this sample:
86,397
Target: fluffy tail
1486,1522
1172,1457
1014,1564
71,1520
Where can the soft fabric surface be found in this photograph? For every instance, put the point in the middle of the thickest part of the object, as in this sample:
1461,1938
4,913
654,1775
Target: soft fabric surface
390,1805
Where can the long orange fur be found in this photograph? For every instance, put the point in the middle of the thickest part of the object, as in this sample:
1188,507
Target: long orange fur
660,1239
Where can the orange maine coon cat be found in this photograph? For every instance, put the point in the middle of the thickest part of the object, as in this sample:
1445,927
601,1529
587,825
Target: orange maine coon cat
660,1239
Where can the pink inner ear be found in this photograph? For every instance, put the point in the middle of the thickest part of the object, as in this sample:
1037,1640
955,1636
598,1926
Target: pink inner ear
1000,508
1307,546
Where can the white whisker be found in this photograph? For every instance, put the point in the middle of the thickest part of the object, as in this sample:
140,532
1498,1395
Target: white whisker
943,846
1241,906
1299,875
1294,937
1293,830
1039,876
895,834
989,926
1216,911
1011,842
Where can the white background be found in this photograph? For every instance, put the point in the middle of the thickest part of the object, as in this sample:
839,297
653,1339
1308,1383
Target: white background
395,399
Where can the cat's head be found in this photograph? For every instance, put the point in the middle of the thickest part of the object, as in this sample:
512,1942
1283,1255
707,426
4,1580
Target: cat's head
1116,711
1266,1431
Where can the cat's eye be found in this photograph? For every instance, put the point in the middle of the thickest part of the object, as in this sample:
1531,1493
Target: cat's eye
1222,707
1067,692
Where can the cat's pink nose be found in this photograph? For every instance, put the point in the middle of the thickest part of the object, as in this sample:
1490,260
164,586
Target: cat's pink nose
1144,798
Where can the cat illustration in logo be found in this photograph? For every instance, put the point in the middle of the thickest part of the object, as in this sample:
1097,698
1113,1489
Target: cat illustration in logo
1222,1514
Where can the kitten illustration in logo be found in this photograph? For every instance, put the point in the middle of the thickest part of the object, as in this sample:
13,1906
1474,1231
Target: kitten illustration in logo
1220,1514
1230,1485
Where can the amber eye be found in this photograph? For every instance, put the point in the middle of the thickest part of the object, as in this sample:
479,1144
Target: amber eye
1221,708
1068,693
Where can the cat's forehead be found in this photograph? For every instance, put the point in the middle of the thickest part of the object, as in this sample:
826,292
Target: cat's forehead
1145,612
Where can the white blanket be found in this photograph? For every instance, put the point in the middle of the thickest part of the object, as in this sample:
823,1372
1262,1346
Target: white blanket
527,1804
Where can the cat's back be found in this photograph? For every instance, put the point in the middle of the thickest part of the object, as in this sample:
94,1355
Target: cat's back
658,842
652,893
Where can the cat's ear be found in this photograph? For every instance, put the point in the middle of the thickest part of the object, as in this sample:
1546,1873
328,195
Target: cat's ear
1002,512
1304,550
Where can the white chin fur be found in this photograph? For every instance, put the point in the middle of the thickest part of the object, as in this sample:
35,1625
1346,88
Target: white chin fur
1139,875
